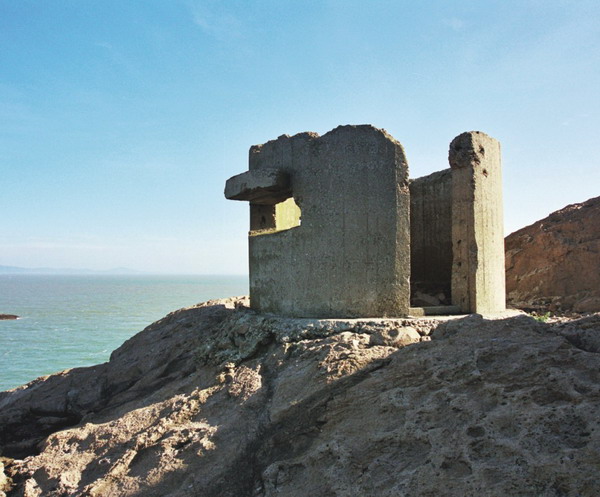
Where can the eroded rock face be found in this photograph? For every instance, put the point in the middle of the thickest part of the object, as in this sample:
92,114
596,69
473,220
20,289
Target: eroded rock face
555,263
219,401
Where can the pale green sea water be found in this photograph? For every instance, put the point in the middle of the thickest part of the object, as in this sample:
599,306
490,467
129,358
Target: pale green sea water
72,321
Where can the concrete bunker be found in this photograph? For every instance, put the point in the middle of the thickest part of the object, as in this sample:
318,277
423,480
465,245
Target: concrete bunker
337,228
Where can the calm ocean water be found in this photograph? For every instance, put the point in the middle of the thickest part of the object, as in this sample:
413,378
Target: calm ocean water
71,321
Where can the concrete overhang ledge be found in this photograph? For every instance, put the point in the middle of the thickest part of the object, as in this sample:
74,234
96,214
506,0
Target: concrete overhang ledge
261,186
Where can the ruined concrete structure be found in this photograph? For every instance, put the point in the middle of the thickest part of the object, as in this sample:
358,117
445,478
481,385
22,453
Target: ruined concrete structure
337,229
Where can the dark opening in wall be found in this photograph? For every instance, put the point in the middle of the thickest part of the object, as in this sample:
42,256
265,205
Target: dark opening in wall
431,239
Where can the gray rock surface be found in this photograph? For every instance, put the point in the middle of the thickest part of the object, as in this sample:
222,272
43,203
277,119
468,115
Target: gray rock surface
215,400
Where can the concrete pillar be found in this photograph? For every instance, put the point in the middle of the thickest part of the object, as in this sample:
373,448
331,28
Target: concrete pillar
478,282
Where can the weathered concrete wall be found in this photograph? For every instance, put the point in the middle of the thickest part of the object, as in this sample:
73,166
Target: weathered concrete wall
330,234
477,224
350,255
431,233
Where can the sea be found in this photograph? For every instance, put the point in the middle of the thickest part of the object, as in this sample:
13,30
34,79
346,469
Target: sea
69,321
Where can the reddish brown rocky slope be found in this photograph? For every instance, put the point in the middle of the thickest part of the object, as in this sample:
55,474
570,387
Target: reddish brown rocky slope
554,264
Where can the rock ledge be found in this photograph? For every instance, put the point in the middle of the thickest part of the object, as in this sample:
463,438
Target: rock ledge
215,400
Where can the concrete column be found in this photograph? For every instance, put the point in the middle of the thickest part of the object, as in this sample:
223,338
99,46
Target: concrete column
478,282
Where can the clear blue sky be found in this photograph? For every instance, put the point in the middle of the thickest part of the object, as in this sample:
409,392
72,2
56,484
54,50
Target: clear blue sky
121,120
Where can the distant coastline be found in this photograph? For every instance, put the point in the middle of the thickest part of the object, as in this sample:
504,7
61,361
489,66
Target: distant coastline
67,271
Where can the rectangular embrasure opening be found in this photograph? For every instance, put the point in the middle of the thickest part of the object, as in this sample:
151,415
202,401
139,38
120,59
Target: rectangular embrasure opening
272,218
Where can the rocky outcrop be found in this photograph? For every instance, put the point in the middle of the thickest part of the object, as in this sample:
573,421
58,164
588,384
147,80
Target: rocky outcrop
554,264
216,400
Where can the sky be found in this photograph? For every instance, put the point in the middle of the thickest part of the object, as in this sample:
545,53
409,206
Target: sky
120,121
